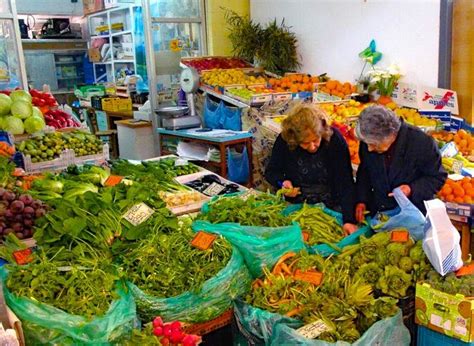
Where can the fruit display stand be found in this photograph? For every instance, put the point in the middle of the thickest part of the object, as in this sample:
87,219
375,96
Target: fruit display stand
452,315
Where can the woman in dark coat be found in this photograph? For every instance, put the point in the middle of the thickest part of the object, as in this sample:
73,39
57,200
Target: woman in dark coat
311,161
394,154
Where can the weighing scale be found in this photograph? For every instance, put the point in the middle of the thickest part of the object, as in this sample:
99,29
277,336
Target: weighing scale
176,118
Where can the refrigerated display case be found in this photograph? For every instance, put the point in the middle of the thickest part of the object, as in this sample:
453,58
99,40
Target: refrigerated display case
173,29
12,66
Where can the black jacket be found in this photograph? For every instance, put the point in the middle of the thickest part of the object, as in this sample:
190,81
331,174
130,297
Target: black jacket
324,176
416,162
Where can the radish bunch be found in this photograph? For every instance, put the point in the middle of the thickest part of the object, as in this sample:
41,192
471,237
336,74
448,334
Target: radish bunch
172,334
18,214
41,99
59,119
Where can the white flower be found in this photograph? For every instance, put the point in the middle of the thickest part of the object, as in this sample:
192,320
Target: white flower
375,79
386,75
394,70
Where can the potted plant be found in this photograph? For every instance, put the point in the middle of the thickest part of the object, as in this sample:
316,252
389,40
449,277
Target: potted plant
385,81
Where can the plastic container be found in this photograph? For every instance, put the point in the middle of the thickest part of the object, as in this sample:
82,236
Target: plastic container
428,337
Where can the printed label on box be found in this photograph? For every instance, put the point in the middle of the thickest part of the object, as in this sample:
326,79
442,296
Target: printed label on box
435,98
203,240
460,326
313,330
138,214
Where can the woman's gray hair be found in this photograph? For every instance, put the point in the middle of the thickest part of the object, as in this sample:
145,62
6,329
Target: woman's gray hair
376,124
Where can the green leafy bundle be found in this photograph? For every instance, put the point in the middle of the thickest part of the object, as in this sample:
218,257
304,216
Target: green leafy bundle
255,210
451,283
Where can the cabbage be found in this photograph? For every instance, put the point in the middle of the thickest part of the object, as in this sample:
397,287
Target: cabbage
34,124
14,125
20,95
2,123
5,104
37,112
21,109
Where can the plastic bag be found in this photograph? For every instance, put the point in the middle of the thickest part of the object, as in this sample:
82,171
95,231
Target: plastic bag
238,166
214,298
325,250
405,216
441,242
212,117
45,324
266,328
230,118
260,246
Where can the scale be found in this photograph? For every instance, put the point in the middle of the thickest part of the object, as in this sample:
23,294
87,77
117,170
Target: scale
176,118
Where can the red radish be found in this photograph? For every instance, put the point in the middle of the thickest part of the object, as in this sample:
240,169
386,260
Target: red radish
176,336
158,331
167,330
176,325
189,340
157,322
165,341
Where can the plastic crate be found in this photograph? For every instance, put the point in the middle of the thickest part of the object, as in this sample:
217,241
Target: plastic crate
62,162
116,104
428,337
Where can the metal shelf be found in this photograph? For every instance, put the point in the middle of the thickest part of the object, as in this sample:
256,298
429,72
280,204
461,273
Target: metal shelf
121,33
226,98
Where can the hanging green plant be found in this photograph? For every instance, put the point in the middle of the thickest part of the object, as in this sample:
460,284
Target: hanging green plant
273,47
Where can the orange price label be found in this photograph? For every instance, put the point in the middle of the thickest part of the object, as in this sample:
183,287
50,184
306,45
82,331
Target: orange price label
203,240
305,236
23,256
312,276
399,236
466,270
113,180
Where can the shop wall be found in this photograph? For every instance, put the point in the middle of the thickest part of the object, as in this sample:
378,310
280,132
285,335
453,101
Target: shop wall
217,41
50,7
331,33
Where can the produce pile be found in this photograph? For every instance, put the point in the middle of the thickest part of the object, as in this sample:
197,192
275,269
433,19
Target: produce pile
294,83
321,227
165,264
255,210
451,283
49,146
461,191
6,150
230,77
352,142
17,114
170,165
345,296
339,112
60,119
464,141
18,214
411,116
211,63
336,88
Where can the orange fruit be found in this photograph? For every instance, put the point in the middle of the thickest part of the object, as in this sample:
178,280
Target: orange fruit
468,199
466,186
446,190
458,191
450,182
459,200
465,180
306,79
331,84
463,143
449,198
469,192
462,133
315,79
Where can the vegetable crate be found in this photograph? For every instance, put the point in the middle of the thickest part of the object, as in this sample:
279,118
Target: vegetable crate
255,99
62,162
210,326
451,315
460,209
116,104
428,337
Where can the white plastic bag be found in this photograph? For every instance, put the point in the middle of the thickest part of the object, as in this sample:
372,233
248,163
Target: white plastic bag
441,242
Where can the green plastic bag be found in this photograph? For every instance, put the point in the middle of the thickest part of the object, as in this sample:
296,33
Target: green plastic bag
44,324
325,250
261,246
265,328
213,299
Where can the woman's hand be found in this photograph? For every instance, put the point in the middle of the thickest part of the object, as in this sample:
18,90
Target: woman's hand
360,212
292,191
349,228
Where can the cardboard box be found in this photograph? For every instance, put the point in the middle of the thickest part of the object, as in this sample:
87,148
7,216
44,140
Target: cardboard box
91,6
452,315
94,54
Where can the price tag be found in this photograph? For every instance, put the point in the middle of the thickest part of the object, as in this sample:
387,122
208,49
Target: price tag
180,162
138,214
247,194
457,166
113,180
305,236
312,276
203,240
313,330
213,190
400,236
23,256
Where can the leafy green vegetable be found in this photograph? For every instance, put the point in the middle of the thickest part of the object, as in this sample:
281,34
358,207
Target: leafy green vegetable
394,282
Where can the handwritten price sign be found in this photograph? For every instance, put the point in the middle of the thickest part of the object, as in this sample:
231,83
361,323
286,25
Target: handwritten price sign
138,214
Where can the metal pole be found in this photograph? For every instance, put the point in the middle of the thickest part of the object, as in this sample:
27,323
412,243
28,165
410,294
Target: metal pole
21,57
151,71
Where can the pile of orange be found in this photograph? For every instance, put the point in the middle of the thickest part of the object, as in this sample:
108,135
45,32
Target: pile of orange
461,191
294,83
464,140
336,88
